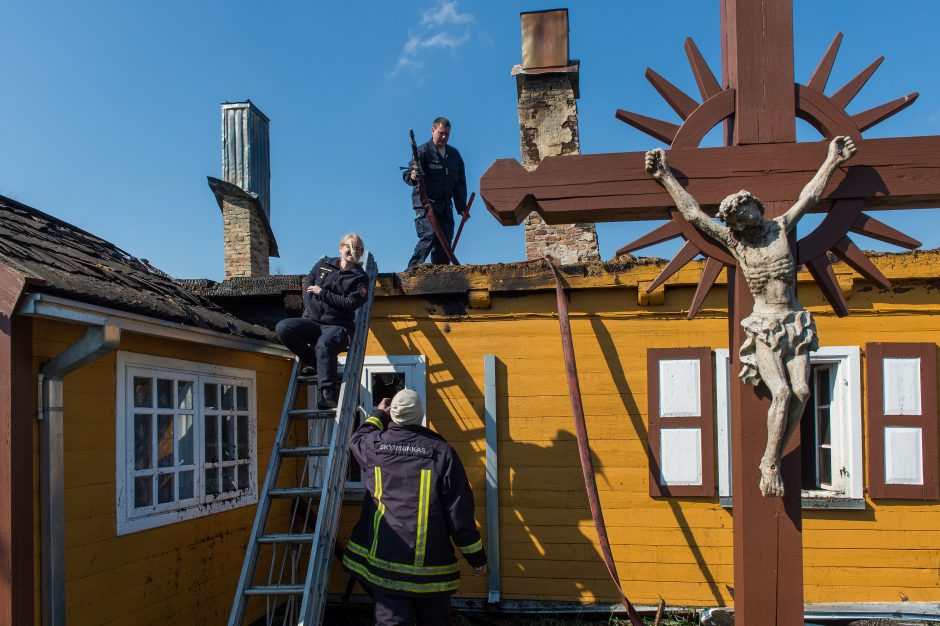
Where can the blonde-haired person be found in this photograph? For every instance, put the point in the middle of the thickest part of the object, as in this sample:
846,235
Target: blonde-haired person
332,292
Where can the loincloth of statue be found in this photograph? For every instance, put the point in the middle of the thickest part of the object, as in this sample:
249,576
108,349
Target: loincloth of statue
790,333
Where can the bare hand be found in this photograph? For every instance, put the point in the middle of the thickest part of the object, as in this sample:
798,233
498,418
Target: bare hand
656,163
414,174
842,149
481,571
465,214
314,289
385,403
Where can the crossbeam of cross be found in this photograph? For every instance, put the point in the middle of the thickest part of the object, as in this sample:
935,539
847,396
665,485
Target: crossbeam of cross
901,173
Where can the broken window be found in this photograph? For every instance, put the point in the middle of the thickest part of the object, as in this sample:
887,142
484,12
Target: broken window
382,377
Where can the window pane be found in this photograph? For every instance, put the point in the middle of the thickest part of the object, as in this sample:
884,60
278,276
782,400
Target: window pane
386,384
825,431
164,393
165,488
822,386
228,478
143,392
186,485
825,466
228,438
243,476
242,436
212,481
143,441
212,439
143,491
164,440
184,397
228,397
210,396
185,452
242,398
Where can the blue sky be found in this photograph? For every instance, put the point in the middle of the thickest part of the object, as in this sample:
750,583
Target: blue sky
110,118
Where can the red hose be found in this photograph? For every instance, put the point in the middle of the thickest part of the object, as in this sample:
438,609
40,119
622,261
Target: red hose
584,445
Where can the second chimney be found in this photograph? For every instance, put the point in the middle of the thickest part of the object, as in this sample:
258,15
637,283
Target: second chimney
244,192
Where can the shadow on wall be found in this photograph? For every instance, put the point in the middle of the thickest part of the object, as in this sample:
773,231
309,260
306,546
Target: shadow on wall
547,542
612,358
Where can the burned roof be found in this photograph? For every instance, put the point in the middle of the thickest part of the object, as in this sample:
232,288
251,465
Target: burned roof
61,259
244,285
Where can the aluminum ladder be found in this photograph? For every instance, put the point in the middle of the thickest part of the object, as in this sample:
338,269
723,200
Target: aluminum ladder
294,588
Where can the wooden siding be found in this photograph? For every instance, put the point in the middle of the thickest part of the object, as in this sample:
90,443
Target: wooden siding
677,548
181,572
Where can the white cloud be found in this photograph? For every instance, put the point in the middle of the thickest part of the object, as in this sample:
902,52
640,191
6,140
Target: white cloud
445,13
434,31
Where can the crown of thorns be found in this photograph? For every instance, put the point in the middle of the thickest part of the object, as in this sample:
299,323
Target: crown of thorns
731,204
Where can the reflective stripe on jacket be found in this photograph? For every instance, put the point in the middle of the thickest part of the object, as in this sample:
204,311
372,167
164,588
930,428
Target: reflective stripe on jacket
418,500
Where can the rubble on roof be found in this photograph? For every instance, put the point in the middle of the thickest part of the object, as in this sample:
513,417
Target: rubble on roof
63,260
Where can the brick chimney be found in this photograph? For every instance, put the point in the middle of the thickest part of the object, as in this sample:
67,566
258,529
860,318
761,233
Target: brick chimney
547,87
244,192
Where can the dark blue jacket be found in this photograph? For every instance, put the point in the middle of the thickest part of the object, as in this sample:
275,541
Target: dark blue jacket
418,500
344,291
444,178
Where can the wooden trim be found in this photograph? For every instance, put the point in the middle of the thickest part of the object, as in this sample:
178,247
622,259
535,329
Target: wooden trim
705,421
16,448
21,459
875,354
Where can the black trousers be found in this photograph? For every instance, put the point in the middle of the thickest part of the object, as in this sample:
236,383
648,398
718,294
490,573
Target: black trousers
395,610
314,343
427,240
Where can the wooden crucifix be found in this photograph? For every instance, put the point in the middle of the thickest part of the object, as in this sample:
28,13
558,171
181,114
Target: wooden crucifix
758,104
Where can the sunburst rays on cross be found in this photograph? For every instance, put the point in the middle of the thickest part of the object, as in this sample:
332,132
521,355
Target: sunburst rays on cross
828,115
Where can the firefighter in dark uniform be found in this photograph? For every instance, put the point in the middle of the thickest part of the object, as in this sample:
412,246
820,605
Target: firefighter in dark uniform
332,292
444,182
418,502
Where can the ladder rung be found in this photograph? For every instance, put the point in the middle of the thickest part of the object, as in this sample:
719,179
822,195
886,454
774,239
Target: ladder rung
286,538
306,451
295,492
306,379
312,414
274,590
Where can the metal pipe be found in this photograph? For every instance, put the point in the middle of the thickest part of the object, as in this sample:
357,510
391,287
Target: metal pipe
492,479
97,341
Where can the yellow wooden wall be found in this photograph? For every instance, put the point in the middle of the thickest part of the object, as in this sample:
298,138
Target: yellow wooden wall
677,548
182,573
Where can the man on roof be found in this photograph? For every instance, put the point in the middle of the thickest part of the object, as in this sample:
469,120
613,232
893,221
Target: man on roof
445,184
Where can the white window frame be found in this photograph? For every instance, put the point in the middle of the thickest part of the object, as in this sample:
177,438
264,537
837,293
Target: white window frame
415,369
846,434
129,364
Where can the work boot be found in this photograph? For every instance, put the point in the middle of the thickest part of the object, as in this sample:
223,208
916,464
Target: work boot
327,398
308,371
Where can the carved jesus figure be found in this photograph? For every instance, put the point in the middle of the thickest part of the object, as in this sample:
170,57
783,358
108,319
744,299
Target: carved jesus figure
779,333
